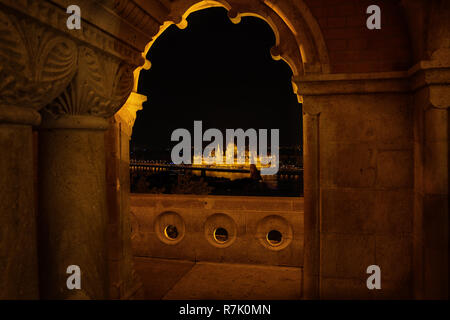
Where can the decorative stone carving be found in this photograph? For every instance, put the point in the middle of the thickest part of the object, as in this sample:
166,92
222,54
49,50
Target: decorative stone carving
101,86
223,221
102,24
278,223
36,64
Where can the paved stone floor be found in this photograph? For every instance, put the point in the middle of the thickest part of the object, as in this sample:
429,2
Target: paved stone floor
179,280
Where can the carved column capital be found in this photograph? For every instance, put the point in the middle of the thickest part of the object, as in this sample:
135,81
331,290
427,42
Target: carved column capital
310,107
440,96
36,64
100,87
433,76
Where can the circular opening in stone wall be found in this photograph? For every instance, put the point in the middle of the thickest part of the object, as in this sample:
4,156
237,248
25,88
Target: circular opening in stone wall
221,235
171,232
274,237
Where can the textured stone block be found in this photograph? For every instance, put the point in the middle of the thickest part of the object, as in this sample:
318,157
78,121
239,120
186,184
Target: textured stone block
346,255
395,168
347,119
394,211
394,257
344,289
348,211
393,290
394,116
348,165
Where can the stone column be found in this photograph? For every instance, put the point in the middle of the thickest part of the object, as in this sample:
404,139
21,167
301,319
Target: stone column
72,206
36,64
311,289
72,178
429,27
18,257
431,144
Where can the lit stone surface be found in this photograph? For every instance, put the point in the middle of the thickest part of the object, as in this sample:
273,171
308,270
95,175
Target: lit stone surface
238,282
73,216
18,256
179,279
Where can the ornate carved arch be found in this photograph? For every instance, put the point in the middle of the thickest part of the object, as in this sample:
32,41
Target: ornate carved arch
299,41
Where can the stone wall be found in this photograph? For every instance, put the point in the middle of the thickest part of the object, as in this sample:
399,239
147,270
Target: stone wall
366,191
352,47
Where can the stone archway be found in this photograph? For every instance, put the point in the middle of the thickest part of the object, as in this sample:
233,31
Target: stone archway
300,43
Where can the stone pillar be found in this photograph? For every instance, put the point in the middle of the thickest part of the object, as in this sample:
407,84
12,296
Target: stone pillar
72,203
358,184
431,146
18,257
311,194
73,210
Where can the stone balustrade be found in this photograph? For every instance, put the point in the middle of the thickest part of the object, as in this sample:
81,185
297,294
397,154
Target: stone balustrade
254,230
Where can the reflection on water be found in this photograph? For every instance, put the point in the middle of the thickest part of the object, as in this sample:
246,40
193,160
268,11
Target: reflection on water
220,174
271,181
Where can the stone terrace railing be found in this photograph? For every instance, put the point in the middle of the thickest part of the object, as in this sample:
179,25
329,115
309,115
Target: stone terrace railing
254,230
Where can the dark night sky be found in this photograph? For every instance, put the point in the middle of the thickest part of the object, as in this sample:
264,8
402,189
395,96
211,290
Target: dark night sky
220,73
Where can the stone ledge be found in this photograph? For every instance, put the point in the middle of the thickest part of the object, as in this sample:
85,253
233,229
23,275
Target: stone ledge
424,73
218,202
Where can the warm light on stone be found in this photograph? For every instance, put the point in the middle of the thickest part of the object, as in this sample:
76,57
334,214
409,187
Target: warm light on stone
375,138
